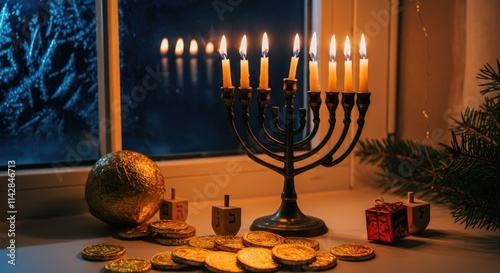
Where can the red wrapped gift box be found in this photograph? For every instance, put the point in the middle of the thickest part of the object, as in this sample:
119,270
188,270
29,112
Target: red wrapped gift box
387,222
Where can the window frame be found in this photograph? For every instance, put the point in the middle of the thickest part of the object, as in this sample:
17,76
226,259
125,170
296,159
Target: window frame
208,178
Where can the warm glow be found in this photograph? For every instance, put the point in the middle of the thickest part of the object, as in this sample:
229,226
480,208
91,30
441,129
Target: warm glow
223,47
164,46
265,45
179,47
362,47
314,47
209,49
296,46
333,49
347,48
243,47
193,47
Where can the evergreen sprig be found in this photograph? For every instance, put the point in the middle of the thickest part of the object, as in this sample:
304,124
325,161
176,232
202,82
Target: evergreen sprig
465,174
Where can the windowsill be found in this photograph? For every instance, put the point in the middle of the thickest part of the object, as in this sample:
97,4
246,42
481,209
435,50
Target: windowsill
54,244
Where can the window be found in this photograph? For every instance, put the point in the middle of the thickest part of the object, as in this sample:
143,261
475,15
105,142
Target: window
202,179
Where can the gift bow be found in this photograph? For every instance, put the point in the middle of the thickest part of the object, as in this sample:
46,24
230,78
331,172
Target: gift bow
381,204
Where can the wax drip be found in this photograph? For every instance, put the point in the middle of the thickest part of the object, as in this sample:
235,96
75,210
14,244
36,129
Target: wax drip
424,102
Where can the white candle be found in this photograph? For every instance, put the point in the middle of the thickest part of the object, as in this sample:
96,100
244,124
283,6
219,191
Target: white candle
244,73
313,65
363,66
264,64
295,58
193,51
209,50
226,69
179,50
332,66
347,66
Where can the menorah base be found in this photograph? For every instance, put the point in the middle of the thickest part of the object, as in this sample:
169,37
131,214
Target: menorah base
307,226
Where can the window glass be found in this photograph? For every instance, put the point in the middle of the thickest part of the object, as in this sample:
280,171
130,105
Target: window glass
171,102
48,82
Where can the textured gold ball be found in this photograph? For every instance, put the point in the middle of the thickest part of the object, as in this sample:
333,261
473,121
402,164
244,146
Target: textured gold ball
124,189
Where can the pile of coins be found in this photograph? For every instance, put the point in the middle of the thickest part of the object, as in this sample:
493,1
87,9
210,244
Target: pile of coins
255,251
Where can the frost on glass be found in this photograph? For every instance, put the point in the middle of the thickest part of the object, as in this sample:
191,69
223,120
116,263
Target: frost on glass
48,82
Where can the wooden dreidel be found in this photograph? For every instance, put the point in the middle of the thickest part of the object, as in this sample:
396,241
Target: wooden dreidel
419,214
226,220
174,208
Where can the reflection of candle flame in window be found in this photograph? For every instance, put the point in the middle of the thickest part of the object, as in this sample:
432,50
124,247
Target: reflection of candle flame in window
314,45
265,45
243,47
296,46
164,46
209,49
193,47
347,48
333,48
362,47
179,47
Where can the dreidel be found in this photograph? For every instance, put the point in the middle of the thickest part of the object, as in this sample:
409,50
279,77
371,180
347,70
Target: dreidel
419,214
174,208
226,220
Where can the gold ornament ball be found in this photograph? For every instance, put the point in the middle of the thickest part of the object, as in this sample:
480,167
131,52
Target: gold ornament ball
124,189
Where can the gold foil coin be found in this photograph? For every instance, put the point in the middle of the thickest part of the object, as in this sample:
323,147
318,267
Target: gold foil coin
229,243
207,242
262,239
257,259
172,241
139,231
194,256
189,231
167,226
163,261
292,254
222,262
128,265
314,244
324,261
353,252
103,252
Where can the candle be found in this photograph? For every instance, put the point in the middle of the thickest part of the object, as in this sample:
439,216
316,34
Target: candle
332,66
193,51
264,64
244,76
164,58
313,65
363,66
179,50
226,69
347,66
295,58
209,50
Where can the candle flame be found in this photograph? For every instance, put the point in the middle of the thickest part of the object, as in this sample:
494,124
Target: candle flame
333,49
179,47
243,47
347,48
265,45
362,47
314,47
209,49
296,46
223,47
193,47
164,46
